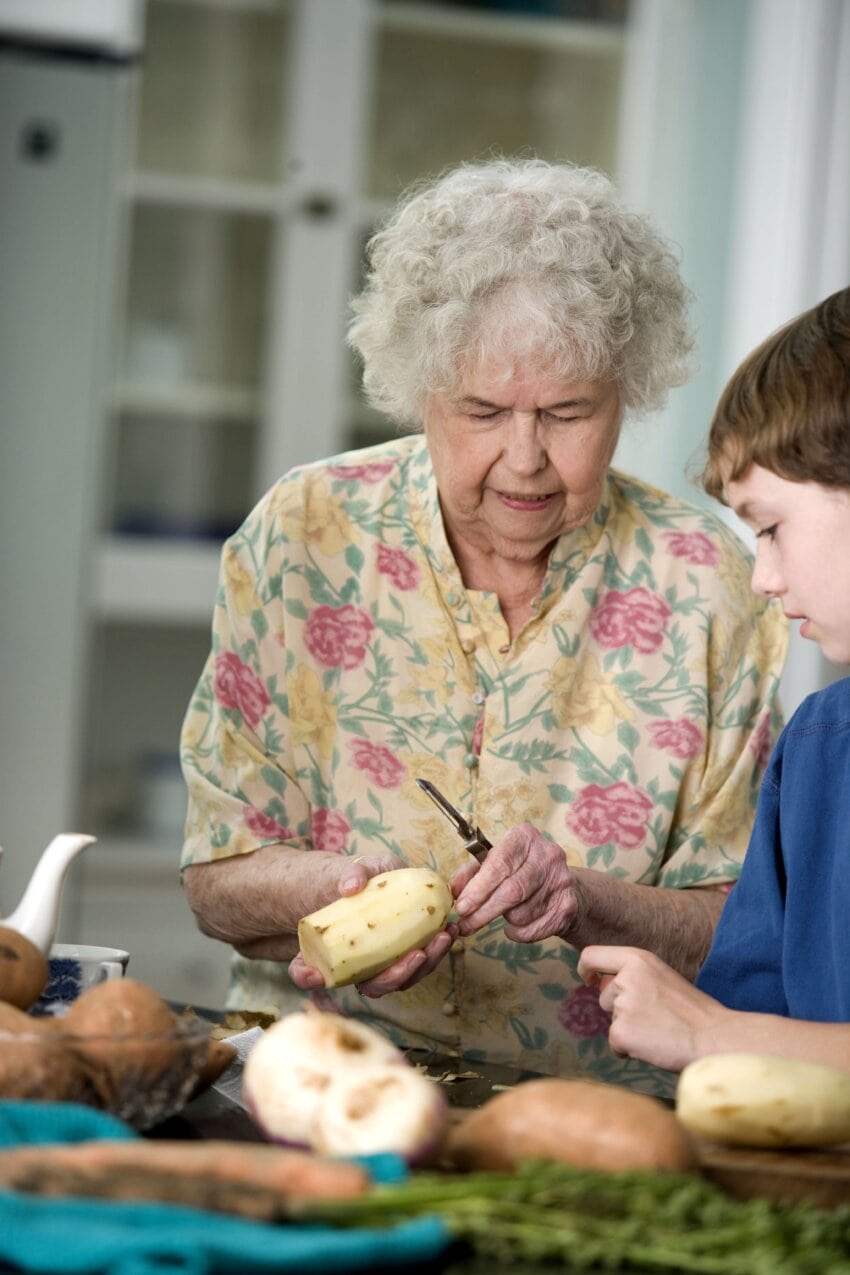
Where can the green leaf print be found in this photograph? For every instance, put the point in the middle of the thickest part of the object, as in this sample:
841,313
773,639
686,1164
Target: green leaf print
536,756
354,558
219,835
601,854
274,778
644,543
296,608
536,1039
551,991
259,623
320,592
628,736
560,793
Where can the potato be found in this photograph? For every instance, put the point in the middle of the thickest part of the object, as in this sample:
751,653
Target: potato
32,1063
23,969
110,1018
359,935
220,1054
581,1122
757,1100
36,1066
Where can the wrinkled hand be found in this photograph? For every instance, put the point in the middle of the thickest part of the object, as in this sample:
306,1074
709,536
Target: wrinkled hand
403,973
657,1015
525,879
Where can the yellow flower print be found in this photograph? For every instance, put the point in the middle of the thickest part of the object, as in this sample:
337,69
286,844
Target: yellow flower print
769,643
239,584
239,754
510,804
319,521
432,678
430,767
436,846
629,519
728,820
735,572
582,695
312,713
495,1005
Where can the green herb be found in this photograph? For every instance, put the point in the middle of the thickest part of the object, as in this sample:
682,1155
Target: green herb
630,1221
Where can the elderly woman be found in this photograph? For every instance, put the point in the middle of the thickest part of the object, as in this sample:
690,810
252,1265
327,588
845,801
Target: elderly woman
575,659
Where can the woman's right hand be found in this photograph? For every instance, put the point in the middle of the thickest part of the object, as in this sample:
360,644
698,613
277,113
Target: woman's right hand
656,1014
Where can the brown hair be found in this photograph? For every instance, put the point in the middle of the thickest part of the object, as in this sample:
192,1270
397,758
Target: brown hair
787,407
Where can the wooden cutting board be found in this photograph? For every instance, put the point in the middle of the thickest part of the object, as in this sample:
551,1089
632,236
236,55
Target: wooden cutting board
821,1176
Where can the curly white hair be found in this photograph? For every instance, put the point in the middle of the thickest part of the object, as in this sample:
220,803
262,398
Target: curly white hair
519,260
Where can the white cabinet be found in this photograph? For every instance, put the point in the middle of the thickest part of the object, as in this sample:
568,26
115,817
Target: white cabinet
269,136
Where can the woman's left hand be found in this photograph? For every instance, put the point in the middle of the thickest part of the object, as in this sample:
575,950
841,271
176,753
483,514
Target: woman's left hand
525,879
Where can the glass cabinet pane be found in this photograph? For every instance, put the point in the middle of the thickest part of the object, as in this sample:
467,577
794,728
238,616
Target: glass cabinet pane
442,97
212,79
196,296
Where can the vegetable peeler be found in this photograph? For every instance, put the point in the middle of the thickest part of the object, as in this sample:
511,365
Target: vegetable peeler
473,838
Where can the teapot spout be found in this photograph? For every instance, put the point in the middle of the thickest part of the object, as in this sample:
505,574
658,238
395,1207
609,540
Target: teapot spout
37,914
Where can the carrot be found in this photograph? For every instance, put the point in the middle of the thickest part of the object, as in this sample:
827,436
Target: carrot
255,1181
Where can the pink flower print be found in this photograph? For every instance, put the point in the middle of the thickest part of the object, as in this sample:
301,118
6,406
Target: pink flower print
237,686
384,769
364,473
330,830
636,618
582,1015
265,826
401,569
680,737
338,635
477,736
619,813
760,741
693,546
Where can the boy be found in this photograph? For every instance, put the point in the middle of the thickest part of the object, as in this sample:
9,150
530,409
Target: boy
777,978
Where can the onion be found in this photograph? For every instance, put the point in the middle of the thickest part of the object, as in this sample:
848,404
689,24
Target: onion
381,1108
292,1066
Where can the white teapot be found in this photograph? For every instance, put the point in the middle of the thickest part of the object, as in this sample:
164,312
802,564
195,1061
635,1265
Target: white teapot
27,934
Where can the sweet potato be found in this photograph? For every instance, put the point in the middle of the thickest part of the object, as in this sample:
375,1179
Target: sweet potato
581,1122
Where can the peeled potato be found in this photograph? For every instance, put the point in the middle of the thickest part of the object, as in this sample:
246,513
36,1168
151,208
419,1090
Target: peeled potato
580,1122
757,1100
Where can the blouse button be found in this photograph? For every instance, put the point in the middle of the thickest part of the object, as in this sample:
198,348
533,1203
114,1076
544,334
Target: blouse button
449,1008
470,761
452,599
479,697
503,650
467,646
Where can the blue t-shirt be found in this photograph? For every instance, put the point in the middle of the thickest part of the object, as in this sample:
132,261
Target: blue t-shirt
783,942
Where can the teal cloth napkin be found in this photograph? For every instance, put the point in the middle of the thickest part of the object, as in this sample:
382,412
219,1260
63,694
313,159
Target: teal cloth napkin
107,1237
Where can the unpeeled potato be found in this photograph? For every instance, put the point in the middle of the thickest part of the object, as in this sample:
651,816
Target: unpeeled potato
33,1064
581,1122
23,969
108,1019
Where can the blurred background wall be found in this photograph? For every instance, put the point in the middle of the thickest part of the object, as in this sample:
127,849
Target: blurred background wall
185,190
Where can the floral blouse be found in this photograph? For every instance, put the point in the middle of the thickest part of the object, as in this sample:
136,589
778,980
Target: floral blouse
629,720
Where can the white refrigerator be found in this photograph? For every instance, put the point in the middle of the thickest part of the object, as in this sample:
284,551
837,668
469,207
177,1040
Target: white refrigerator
67,77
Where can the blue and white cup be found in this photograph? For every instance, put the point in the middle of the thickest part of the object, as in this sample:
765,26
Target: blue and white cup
73,969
